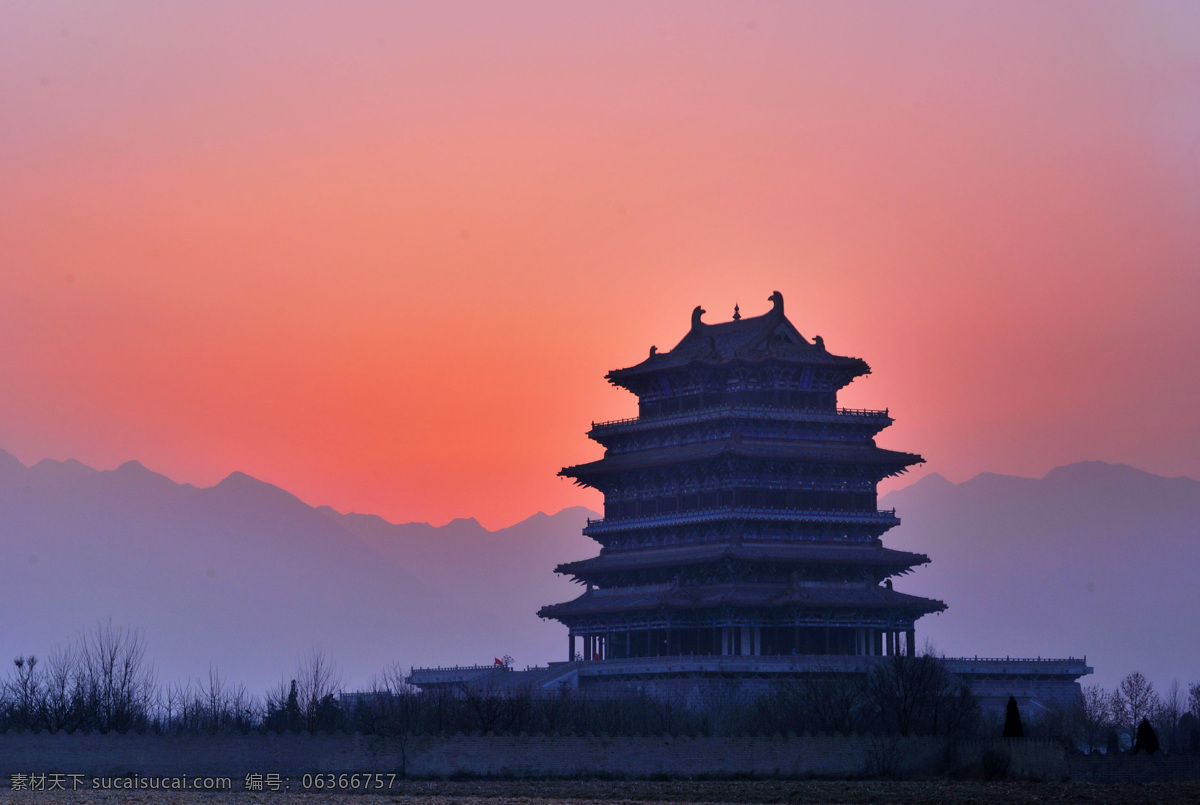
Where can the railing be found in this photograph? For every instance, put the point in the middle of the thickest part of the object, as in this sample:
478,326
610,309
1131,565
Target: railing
798,414
1018,666
461,667
1021,659
703,515
730,663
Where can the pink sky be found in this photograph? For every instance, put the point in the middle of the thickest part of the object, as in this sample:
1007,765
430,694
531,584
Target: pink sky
382,255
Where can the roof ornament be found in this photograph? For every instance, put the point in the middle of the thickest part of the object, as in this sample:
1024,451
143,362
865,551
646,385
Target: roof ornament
736,313
776,298
818,342
696,314
653,350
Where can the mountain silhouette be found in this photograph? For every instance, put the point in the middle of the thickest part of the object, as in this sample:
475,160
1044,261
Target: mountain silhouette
1094,558
246,577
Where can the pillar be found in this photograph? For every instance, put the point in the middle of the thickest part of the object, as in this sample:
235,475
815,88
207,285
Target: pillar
570,648
911,639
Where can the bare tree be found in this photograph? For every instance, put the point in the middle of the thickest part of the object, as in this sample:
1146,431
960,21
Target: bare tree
318,683
213,704
1118,710
920,695
1194,699
1170,709
488,706
118,683
1136,699
25,693
243,708
64,705
173,705
281,707
1095,715
834,705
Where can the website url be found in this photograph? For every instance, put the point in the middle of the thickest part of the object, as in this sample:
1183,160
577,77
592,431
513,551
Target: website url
53,781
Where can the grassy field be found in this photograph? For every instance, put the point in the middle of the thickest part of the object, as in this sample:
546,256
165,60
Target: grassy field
578,792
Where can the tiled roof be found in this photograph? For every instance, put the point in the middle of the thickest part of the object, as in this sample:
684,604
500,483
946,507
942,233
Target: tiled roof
746,448
867,555
749,339
650,597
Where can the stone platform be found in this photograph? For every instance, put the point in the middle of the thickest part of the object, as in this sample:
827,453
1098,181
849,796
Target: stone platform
1038,684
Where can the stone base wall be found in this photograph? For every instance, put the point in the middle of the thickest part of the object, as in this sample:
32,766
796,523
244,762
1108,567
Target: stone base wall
1034,696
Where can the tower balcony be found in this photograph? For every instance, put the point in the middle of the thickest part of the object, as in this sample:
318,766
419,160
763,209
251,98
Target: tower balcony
608,525
857,415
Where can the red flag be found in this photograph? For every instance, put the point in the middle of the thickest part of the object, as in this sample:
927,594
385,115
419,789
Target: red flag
498,661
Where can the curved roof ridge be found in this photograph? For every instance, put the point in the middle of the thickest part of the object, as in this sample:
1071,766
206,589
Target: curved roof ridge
771,334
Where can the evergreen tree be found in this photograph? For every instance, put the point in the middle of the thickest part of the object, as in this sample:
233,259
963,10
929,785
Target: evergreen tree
292,717
1114,744
1147,740
1012,720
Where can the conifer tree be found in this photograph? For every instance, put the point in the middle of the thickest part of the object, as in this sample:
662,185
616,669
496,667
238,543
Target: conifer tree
1147,740
1012,720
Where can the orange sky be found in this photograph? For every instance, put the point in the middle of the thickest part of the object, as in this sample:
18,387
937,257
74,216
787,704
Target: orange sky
382,255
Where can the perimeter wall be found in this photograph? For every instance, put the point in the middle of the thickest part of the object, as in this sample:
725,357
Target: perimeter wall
517,756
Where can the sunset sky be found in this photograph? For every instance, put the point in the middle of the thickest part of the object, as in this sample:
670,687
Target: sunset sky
382,254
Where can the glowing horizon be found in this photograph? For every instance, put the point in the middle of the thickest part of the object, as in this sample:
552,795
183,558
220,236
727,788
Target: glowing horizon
383,258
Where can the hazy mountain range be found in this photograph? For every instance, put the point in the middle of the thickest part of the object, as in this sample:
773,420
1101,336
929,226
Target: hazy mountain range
247,577
1093,559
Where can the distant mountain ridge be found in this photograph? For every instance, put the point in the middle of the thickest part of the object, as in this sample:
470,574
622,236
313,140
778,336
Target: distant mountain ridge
246,577
1093,558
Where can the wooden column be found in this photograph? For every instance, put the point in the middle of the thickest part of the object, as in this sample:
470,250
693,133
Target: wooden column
571,648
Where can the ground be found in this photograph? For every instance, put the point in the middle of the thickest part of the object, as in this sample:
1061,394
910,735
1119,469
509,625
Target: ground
581,792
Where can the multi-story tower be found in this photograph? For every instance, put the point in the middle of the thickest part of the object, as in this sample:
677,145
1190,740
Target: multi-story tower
740,512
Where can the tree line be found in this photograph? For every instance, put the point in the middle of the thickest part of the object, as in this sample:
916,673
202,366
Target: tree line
102,682
1109,719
